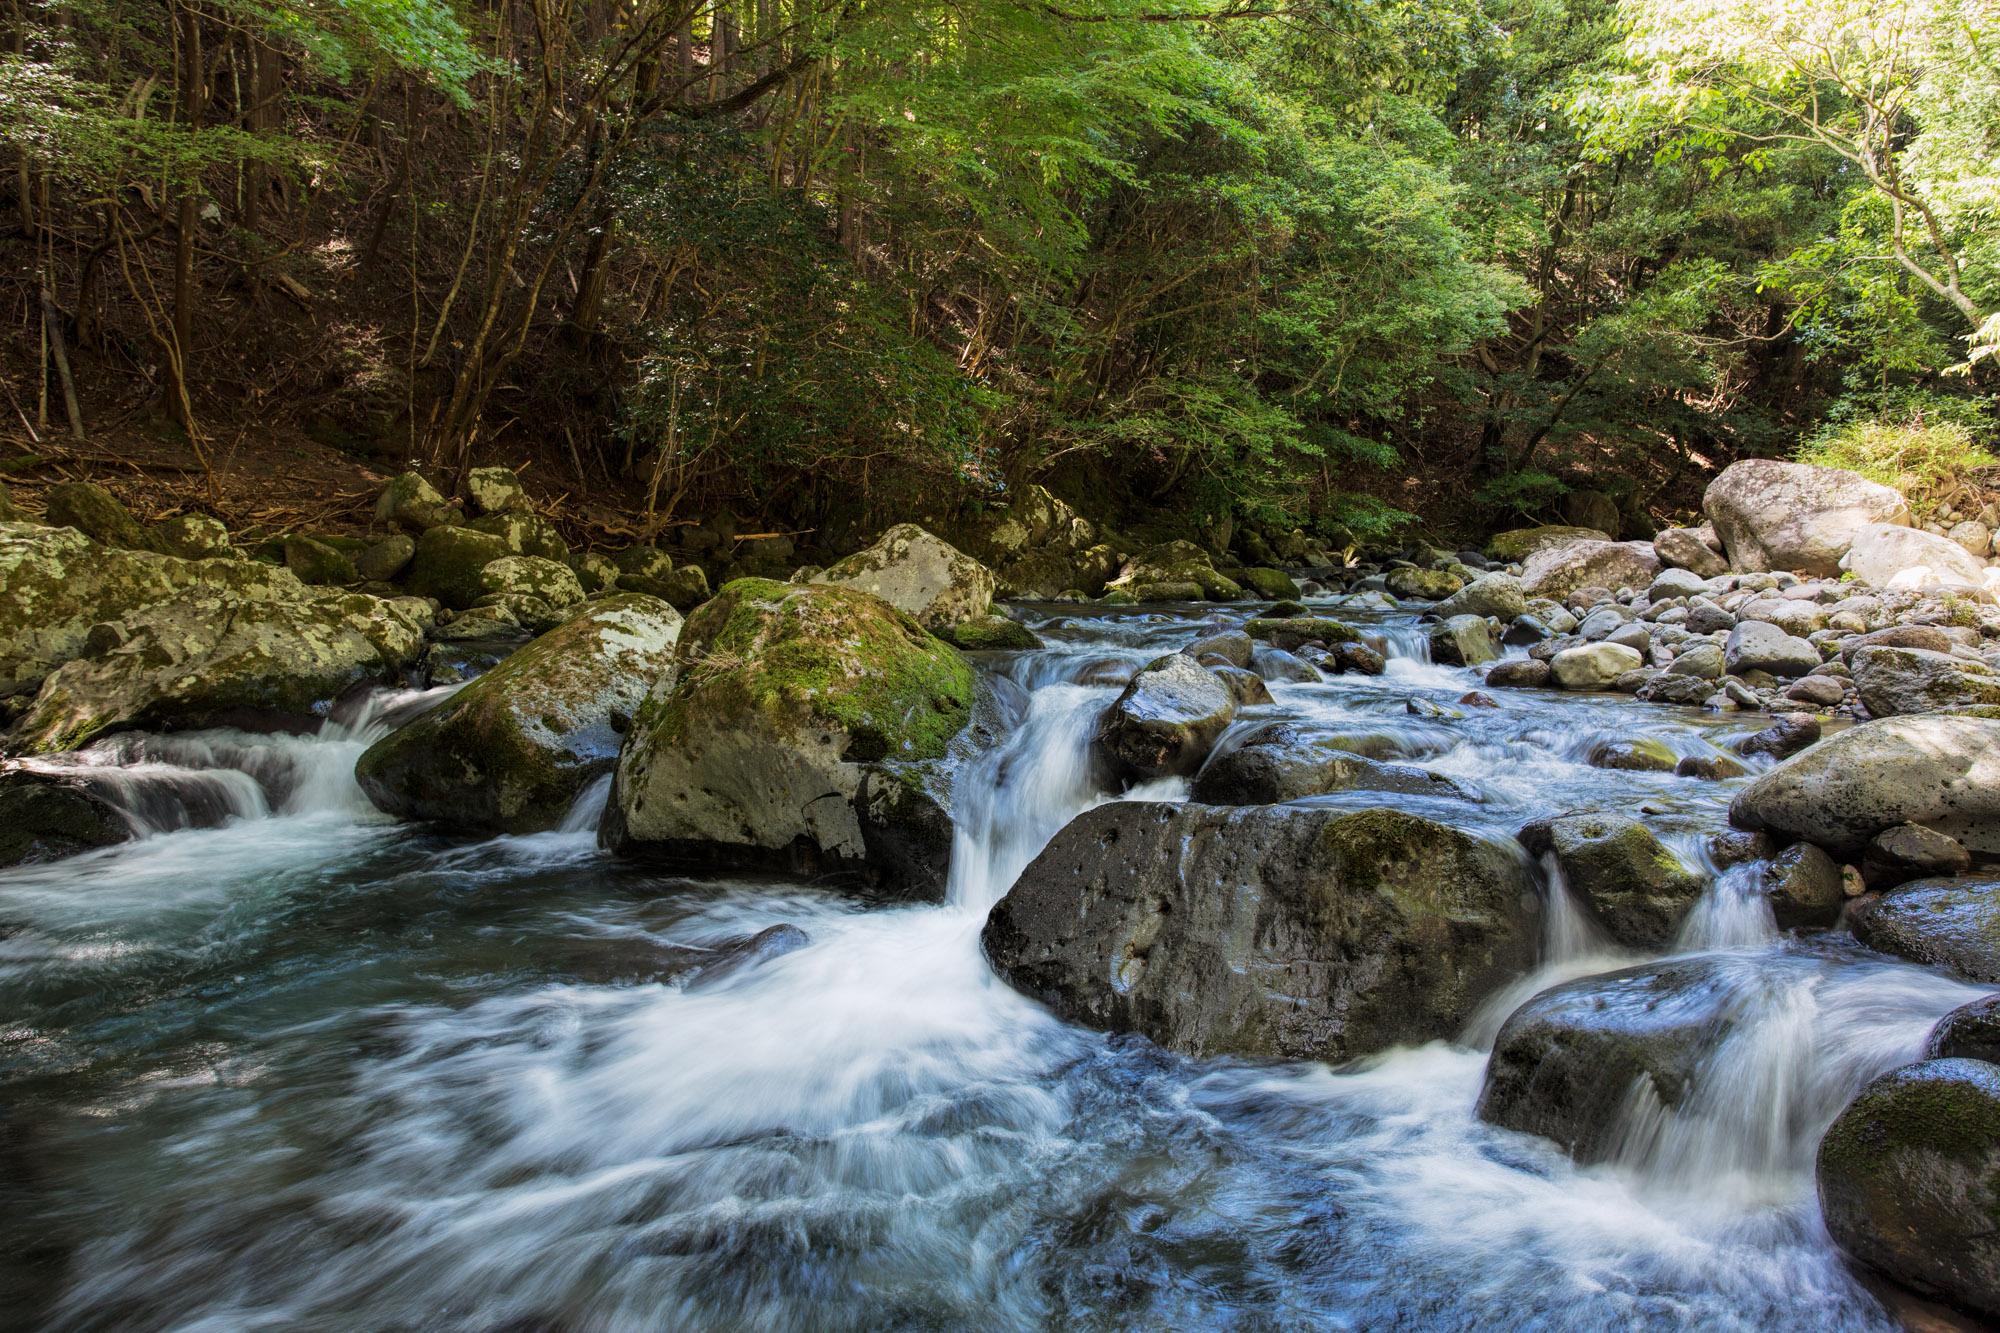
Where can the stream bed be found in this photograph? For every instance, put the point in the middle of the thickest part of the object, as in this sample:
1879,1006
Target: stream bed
314,1069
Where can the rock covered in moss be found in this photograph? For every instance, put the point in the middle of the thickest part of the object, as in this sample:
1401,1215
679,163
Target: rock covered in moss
1295,631
55,584
385,560
1165,721
1424,585
223,661
1950,921
1166,573
785,695
47,816
1286,931
316,563
1517,545
410,502
194,537
686,588
532,576
1462,640
1270,584
1620,873
990,633
510,752
97,514
449,561
929,579
524,534
1909,1179
496,490
1894,681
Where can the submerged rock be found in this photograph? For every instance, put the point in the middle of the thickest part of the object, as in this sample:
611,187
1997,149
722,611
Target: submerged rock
1909,1179
1941,772
1775,515
510,752
1284,931
1165,721
1570,1063
785,697
1620,873
47,816
222,662
933,581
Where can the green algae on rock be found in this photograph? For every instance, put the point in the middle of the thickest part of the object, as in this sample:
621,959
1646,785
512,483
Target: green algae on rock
785,694
510,752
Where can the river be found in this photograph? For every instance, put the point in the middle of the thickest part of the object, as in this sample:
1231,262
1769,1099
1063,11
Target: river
285,1063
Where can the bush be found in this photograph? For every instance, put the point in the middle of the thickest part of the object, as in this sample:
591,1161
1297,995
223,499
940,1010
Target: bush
1917,451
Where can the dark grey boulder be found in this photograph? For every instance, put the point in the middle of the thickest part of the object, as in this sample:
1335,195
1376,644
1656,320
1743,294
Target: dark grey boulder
1569,1063
1803,885
1166,721
1232,646
1791,733
47,816
1970,1032
1246,687
1911,851
1909,1179
1950,923
1279,931
1622,875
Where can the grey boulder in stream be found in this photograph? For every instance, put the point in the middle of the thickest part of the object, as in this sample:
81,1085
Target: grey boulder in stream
1166,721
793,737
1299,933
510,752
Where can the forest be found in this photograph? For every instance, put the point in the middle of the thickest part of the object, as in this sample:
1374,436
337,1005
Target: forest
1345,266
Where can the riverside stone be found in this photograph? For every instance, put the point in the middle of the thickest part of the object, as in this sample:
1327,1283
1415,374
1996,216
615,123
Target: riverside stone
1165,721
933,581
1775,515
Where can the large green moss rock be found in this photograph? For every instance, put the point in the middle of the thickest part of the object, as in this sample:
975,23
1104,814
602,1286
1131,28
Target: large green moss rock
449,561
1427,585
510,751
1621,874
934,582
409,501
496,490
222,661
524,534
97,514
1292,631
1909,1179
1515,546
1284,931
786,698
55,584
1165,572
1270,584
194,537
318,563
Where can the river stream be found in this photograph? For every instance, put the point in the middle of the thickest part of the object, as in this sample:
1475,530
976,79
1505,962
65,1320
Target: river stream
282,1062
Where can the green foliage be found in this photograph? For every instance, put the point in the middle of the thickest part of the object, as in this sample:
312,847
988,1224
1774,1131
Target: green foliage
1918,448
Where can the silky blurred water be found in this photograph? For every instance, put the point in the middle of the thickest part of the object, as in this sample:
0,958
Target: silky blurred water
283,1063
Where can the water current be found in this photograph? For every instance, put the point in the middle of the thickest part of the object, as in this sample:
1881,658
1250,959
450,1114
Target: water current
282,1062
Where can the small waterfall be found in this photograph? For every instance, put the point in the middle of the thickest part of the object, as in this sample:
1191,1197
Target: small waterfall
1732,914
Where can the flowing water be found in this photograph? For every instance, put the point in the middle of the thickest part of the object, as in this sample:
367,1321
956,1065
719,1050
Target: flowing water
284,1063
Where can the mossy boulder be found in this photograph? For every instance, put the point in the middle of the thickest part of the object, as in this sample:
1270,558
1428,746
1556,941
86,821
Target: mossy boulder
318,563
385,560
223,661
1463,640
1293,631
686,588
785,697
532,576
194,537
510,752
646,561
932,581
1284,761
1636,754
449,561
1165,572
597,573
1909,1180
410,502
55,584
990,632
1620,873
1278,931
48,816
97,514
1896,680
1427,585
496,490
1270,584
1515,546
524,534
1569,1064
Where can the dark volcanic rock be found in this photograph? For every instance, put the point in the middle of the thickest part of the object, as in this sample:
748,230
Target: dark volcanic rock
47,816
1276,931
1166,721
1909,1179
1969,1032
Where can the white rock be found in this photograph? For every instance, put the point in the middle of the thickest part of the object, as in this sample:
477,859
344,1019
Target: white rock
1777,515
1887,556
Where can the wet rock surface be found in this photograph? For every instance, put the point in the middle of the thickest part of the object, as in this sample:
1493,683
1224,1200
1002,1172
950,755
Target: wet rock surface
1949,922
1278,931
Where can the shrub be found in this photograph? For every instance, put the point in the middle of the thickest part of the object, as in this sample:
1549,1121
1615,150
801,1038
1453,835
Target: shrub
1918,452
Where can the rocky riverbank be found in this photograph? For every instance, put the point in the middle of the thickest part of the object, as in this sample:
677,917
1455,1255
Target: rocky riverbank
816,722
